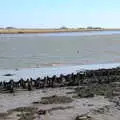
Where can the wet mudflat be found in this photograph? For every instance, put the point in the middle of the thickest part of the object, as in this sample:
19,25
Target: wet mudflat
92,95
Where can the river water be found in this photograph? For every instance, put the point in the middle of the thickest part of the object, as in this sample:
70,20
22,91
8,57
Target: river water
39,55
41,50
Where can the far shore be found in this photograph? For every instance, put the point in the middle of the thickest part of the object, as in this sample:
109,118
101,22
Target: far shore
29,31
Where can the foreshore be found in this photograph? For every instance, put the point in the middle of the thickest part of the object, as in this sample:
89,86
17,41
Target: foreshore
54,69
58,76
30,31
87,95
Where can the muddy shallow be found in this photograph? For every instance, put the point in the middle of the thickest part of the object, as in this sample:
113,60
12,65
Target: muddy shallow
34,50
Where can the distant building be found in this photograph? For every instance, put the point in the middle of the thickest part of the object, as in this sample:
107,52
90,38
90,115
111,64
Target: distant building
90,27
63,27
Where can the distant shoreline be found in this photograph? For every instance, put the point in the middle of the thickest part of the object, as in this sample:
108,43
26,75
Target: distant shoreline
29,31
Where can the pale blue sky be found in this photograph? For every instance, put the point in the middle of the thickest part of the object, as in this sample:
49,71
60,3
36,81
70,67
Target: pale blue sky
57,13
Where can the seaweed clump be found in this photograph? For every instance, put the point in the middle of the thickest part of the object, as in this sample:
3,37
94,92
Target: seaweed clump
56,100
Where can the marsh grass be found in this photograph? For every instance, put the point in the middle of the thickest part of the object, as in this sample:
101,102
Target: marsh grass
105,90
25,113
56,100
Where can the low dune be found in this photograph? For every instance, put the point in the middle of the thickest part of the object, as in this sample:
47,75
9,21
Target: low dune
22,31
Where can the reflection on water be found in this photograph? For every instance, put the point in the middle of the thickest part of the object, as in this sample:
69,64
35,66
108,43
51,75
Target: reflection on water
35,50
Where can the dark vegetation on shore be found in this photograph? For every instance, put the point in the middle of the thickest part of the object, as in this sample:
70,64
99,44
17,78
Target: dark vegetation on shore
22,113
99,82
54,100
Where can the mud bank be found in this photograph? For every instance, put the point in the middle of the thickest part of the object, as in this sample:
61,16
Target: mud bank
84,95
62,78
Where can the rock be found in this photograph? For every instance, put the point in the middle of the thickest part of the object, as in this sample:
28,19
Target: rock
41,112
83,117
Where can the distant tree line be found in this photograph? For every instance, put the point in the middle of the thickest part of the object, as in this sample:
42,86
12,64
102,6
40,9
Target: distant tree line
90,27
7,28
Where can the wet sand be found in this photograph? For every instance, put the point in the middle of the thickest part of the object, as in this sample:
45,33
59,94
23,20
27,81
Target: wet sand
77,107
85,106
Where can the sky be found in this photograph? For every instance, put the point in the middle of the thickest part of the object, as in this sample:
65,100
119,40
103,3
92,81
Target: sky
57,13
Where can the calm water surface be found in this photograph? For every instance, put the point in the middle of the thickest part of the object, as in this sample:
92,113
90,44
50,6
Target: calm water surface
36,50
